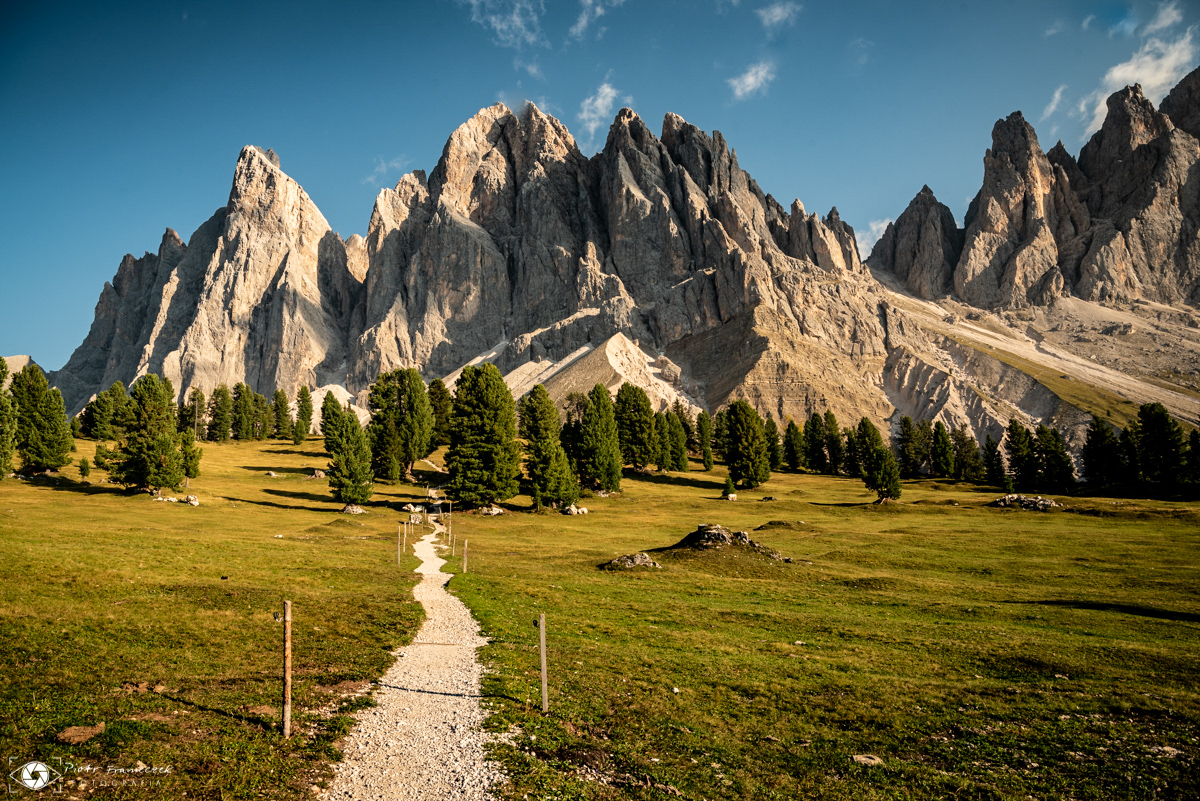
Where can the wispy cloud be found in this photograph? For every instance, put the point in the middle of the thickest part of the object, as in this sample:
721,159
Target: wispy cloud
779,14
597,109
1087,21
1168,15
515,23
1052,106
867,239
860,50
1057,27
530,67
383,167
1126,26
753,80
1157,66
589,12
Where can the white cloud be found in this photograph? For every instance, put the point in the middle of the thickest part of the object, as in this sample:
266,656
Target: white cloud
778,14
1052,106
516,23
1125,27
1168,15
1157,66
596,110
383,167
1055,28
531,67
589,12
753,80
1087,21
867,239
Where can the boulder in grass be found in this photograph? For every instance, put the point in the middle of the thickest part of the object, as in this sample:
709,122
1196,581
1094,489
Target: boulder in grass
709,536
192,500
631,561
353,509
867,759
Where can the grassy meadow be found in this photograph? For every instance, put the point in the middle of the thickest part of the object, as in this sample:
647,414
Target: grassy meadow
978,652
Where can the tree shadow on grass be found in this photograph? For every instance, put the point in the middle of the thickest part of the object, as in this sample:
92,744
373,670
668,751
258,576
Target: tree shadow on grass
676,480
298,452
63,484
295,470
306,496
1127,609
290,506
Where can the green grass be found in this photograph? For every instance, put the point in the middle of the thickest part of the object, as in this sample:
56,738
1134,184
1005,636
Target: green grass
100,589
981,653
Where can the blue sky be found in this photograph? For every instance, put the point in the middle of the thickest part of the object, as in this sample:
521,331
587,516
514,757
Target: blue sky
121,120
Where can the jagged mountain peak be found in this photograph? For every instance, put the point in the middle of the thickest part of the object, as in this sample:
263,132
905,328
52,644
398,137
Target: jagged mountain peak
1182,104
1132,121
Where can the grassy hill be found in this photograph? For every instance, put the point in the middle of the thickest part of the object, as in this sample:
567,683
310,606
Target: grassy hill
978,652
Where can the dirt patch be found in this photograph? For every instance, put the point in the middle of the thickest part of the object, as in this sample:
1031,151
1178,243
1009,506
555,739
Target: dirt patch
77,735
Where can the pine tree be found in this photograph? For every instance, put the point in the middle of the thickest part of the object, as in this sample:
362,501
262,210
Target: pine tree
1101,454
1161,444
575,406
994,470
76,430
835,448
1191,474
679,451
968,466
881,474
220,415
85,467
635,425
331,411
689,426
941,452
729,489
1022,458
8,424
283,415
484,457
774,449
43,437
148,455
662,442
190,454
600,448
1130,474
191,415
1056,471
304,413
853,459
814,444
720,435
906,448
243,412
867,440
415,422
546,461
704,435
747,448
100,460
350,477
264,417
402,421
793,446
103,418
440,404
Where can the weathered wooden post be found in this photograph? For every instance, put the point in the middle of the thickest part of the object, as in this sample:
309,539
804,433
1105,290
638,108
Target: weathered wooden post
287,669
542,637
465,544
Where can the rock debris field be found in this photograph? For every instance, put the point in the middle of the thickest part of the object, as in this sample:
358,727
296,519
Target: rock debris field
424,740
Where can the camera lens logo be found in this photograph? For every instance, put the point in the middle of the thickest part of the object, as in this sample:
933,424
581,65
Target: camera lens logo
35,775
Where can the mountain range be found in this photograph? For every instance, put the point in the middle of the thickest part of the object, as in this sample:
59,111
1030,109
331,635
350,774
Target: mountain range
1072,287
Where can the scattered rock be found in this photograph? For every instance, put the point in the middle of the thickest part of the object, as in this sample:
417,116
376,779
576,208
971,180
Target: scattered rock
316,474
1035,504
272,474
708,535
731,496
192,500
867,759
1161,750
76,735
353,509
769,498
491,511
630,561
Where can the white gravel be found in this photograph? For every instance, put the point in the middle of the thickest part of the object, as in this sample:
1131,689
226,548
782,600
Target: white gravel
424,740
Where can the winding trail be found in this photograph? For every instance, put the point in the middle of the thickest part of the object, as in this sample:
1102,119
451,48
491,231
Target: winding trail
424,740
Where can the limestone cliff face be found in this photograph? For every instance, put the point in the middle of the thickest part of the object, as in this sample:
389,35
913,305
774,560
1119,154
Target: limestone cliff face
921,247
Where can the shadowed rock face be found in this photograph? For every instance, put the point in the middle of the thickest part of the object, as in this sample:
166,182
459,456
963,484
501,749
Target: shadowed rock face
1118,225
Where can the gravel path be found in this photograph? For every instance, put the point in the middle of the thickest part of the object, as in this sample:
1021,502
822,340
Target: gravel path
424,740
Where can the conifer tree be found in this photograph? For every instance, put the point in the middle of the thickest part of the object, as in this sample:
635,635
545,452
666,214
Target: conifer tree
191,414
1022,458
689,426
220,414
76,430
43,438
867,439
704,436
1161,444
835,448
814,444
793,446
679,450
1101,453
720,435
484,457
881,474
148,455
941,452
191,455
546,461
662,442
304,413
968,466
243,412
1056,471
331,411
774,449
264,417
415,422
85,467
729,489
575,405
283,415
906,449
1131,455
747,448
1192,472
440,404
600,448
8,424
853,459
635,425
994,470
350,477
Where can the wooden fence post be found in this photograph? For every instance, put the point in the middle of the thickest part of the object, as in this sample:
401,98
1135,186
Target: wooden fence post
465,544
287,669
542,637
400,545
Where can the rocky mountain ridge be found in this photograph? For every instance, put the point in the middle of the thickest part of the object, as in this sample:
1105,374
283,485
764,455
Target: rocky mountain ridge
660,260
